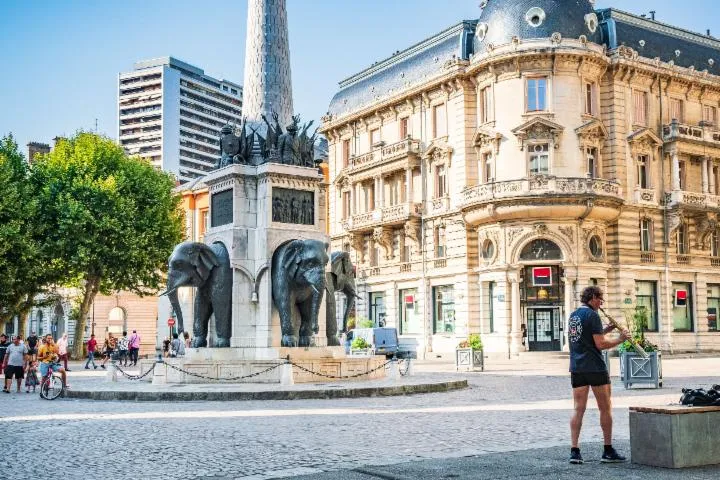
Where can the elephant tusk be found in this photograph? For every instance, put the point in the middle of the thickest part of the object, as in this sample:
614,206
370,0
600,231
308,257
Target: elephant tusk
167,292
315,289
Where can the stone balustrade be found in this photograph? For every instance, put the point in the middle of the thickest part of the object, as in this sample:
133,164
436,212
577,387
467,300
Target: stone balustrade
692,199
540,185
394,213
384,153
680,131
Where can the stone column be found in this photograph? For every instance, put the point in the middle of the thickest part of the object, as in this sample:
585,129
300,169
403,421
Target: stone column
711,174
381,192
515,334
569,308
408,186
705,165
675,169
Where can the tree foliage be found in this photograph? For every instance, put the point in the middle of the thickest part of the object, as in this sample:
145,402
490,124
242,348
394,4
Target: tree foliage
113,220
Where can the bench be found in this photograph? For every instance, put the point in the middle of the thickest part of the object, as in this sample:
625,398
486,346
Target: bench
675,436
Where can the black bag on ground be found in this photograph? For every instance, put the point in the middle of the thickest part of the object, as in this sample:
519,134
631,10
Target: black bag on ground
699,397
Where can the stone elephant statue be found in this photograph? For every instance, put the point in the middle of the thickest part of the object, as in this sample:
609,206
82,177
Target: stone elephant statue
341,278
298,284
206,267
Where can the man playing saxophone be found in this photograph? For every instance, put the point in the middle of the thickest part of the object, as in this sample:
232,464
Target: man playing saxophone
587,339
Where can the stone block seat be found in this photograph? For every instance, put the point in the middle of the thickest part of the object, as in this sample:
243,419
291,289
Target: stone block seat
675,436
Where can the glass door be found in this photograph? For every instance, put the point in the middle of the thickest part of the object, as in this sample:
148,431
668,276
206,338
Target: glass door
543,329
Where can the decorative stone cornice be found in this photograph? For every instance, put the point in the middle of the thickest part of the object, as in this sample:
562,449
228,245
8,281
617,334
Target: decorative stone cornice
538,128
592,132
485,136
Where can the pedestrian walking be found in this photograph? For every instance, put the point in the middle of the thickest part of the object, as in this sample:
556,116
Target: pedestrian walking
32,345
4,344
134,347
108,348
63,350
91,347
31,377
588,370
14,364
122,348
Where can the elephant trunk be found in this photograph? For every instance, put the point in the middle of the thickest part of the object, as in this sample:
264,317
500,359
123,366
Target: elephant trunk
173,297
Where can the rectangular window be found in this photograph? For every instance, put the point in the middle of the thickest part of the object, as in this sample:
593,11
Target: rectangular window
491,306
440,242
683,171
646,298
374,137
643,180
676,110
713,306
369,198
537,94
592,161
539,159
682,240
709,115
443,309
377,308
715,243
589,98
394,190
204,222
439,121
716,184
441,187
640,107
682,307
410,314
486,166
346,152
405,253
485,105
345,204
645,235
374,255
404,128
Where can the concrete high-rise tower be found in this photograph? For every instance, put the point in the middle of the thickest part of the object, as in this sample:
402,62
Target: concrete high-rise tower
267,87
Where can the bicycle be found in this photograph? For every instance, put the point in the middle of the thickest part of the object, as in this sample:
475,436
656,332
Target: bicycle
51,385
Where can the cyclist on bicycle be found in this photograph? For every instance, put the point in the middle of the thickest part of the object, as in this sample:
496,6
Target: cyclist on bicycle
49,354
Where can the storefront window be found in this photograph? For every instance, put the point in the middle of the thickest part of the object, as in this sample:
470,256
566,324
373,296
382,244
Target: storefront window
377,308
541,285
410,315
444,309
646,297
713,308
682,307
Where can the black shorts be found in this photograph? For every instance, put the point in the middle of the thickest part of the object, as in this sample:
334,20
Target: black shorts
594,379
12,370
32,351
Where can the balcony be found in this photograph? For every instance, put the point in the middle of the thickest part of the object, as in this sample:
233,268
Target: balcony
647,257
681,198
542,196
405,149
393,215
697,134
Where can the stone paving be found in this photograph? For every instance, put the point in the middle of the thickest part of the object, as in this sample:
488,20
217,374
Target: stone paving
511,407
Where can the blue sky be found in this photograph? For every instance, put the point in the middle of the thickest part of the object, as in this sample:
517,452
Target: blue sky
60,59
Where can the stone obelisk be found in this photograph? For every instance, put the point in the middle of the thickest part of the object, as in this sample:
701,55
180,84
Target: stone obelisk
267,86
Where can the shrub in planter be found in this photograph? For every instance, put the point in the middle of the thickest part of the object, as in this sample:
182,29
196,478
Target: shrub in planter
359,344
469,353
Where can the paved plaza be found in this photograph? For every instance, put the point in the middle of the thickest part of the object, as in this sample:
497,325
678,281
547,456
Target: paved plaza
513,407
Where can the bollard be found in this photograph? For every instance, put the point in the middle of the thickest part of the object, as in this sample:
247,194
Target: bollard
409,370
286,375
394,371
159,376
112,373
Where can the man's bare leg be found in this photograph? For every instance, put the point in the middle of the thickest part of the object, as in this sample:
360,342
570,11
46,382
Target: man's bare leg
604,402
580,397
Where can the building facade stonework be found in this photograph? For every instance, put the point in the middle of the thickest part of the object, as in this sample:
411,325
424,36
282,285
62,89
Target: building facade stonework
482,178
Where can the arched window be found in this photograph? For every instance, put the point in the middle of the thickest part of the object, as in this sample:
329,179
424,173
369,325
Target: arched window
541,249
117,320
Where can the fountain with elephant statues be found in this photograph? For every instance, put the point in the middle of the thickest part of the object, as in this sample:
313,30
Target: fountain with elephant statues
264,280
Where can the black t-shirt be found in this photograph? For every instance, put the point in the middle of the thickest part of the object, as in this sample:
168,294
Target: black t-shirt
3,350
584,355
32,341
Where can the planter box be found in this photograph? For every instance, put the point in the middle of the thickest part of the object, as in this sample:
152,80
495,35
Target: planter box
469,359
636,370
362,351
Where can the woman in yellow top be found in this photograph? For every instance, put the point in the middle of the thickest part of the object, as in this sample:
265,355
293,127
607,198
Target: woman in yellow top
48,355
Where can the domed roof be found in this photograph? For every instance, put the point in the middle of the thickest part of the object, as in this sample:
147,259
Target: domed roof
501,20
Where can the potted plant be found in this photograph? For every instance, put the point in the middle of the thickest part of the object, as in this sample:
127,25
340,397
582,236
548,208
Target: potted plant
634,369
469,354
360,346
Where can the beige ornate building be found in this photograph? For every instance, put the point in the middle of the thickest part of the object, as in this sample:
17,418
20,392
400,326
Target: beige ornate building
483,177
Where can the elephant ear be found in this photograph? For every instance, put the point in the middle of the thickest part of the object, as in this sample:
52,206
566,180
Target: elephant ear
293,257
347,265
337,267
205,261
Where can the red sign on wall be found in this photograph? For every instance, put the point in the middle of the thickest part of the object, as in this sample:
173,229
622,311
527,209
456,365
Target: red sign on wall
542,276
681,298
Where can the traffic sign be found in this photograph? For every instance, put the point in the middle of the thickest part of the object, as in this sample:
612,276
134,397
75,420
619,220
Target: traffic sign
171,322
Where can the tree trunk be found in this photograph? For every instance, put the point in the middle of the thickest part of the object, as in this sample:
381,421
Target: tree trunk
92,284
22,320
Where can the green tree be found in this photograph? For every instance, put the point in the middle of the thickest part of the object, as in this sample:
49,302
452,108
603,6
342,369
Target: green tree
27,271
113,220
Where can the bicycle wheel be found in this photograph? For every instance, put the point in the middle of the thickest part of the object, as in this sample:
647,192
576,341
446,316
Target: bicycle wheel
51,387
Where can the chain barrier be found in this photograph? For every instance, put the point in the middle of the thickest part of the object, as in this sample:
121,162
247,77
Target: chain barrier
403,372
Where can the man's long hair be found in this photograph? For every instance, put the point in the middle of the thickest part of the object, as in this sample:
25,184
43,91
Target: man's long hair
589,293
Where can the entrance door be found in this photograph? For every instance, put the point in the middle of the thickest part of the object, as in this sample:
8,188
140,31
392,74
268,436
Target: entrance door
543,329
